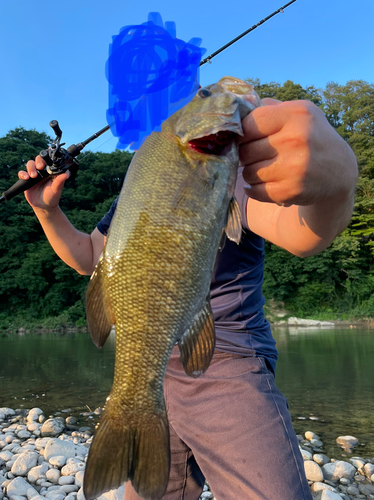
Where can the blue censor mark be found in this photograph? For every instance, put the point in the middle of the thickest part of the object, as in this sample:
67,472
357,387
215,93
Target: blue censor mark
151,74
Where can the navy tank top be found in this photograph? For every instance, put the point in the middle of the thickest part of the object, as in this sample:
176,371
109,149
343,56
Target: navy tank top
236,291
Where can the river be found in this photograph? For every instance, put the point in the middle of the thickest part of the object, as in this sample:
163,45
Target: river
326,375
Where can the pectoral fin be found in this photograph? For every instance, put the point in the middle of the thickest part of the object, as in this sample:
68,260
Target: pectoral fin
197,344
234,224
99,320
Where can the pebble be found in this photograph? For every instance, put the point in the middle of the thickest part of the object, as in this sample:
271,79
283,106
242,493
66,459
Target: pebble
52,427
58,461
330,495
35,473
336,470
52,466
347,442
24,462
72,468
321,459
313,471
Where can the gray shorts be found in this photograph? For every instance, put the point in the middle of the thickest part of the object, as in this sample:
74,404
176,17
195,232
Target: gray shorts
232,427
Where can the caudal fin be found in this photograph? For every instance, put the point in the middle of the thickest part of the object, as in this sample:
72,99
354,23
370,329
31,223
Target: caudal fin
129,450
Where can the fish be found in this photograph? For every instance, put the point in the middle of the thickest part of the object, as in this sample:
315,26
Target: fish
152,281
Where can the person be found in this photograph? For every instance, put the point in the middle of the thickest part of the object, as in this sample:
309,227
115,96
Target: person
231,426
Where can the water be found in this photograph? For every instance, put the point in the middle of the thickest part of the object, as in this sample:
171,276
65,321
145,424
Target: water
324,373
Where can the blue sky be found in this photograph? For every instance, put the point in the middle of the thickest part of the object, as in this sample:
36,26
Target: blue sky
53,54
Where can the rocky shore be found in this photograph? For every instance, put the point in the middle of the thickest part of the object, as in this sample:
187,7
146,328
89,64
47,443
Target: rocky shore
45,458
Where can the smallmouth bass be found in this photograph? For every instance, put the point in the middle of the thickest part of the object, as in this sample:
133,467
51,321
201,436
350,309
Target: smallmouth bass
153,279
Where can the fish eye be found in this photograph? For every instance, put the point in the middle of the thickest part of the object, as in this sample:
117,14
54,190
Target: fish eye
204,93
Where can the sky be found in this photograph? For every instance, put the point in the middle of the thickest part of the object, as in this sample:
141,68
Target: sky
53,54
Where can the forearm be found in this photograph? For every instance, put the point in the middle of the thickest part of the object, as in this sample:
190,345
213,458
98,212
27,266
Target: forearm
75,248
301,230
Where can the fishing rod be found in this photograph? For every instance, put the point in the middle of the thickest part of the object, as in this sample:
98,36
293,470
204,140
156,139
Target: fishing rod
58,160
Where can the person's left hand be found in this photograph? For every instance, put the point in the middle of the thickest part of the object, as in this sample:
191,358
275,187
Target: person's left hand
292,155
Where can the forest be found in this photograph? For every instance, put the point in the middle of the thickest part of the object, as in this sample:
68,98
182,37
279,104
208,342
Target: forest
38,290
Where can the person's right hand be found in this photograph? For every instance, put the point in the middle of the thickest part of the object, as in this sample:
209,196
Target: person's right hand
46,194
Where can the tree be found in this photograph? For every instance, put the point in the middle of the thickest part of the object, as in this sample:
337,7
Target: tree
34,283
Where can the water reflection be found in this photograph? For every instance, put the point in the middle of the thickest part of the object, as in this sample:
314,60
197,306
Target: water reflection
329,374
325,373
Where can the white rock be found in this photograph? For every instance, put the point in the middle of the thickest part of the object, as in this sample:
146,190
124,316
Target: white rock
19,486
72,468
308,322
207,495
8,437
35,473
71,496
57,447
336,470
321,459
330,495
23,434
17,497
69,488
30,493
321,486
357,462
116,494
6,455
58,460
66,480
306,454
313,471
52,492
71,420
79,476
8,412
52,427
80,495
33,426
347,441
24,463
55,496
41,443
53,475
369,470
34,414
310,435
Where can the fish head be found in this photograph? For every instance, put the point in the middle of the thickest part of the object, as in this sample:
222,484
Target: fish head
210,121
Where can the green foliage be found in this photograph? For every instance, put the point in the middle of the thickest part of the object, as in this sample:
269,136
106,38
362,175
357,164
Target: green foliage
340,279
37,288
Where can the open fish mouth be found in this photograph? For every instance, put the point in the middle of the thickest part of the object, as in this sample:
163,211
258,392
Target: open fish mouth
213,144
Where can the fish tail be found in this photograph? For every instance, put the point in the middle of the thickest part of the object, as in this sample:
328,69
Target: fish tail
136,450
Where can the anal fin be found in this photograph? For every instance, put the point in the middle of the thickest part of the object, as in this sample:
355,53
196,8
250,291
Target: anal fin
99,320
197,344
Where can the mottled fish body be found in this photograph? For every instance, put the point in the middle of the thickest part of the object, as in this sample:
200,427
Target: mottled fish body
153,279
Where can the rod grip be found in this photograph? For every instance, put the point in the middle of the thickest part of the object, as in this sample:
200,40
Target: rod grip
21,185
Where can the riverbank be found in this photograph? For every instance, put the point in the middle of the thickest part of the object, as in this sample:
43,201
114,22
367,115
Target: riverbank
45,458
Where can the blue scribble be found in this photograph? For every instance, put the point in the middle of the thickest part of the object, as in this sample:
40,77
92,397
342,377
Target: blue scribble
151,75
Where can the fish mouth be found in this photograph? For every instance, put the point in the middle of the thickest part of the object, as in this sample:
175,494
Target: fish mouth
213,144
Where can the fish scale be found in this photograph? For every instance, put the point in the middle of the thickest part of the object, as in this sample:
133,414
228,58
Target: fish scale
153,279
